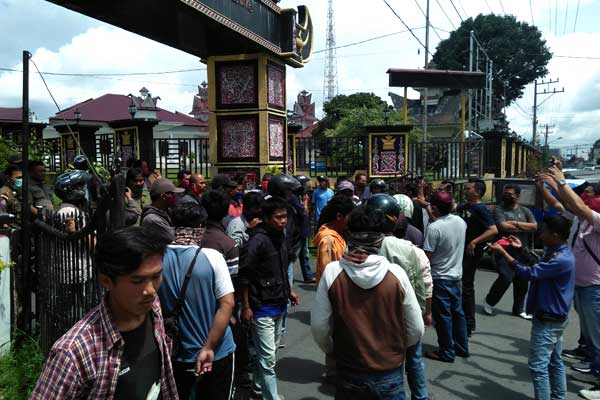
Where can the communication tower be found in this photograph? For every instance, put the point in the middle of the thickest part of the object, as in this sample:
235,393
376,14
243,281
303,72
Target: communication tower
330,81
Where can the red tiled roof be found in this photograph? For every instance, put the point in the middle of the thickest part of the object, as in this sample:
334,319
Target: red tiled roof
114,107
11,114
307,132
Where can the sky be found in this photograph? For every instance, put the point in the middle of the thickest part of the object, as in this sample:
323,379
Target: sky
63,41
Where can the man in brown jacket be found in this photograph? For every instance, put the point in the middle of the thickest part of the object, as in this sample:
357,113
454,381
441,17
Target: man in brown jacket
366,314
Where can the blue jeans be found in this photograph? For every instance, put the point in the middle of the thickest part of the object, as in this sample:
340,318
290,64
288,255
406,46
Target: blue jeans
304,259
545,364
415,372
449,319
387,385
290,273
587,300
266,333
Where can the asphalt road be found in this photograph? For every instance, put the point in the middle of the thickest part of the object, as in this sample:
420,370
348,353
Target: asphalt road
496,370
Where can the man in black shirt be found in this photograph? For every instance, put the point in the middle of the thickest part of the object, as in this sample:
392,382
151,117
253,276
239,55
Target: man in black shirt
480,229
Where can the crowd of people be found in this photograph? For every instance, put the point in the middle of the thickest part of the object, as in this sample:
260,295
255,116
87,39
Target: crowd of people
199,283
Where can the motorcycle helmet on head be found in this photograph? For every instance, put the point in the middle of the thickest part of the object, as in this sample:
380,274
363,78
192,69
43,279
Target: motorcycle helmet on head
280,185
390,208
81,163
303,179
378,186
71,187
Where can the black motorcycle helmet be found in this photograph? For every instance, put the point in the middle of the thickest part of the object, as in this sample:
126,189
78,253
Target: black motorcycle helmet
390,208
81,163
303,179
71,186
378,186
280,185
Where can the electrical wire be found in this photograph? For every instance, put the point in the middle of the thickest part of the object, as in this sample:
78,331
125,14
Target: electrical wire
576,15
462,8
112,74
488,4
427,19
67,124
406,26
566,16
446,14
531,12
366,40
502,7
456,9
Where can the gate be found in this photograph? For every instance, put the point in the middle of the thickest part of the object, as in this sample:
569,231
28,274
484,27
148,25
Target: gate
67,284
332,156
173,155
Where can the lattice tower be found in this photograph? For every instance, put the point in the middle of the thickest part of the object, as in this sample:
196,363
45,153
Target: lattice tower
330,81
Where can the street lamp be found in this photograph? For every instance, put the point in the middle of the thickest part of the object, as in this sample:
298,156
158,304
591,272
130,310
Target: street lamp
386,115
77,115
132,108
558,138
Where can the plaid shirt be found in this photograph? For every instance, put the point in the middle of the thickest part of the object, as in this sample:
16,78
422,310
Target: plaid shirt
84,363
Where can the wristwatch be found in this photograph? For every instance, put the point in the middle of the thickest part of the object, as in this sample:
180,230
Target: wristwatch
562,182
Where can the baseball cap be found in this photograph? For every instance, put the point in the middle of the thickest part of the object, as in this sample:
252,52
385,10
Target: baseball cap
14,158
322,178
163,185
345,185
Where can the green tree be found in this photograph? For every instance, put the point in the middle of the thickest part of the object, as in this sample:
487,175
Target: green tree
341,106
519,53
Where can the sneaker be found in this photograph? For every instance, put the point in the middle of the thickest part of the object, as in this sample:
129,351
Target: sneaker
582,367
591,394
526,316
578,353
489,310
585,378
281,343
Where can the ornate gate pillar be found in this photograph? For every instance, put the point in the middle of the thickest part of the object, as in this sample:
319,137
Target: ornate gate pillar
248,119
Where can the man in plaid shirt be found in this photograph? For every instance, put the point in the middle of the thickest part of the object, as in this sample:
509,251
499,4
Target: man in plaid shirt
119,350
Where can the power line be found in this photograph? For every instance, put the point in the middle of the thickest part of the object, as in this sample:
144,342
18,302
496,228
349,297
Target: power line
367,40
111,74
406,26
566,16
531,12
456,9
502,7
446,14
556,18
462,8
488,4
576,15
425,15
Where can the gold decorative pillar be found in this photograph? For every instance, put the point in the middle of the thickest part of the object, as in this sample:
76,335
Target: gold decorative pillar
248,120
503,159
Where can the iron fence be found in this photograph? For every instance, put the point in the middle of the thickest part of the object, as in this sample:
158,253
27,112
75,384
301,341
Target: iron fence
173,155
67,287
445,160
332,156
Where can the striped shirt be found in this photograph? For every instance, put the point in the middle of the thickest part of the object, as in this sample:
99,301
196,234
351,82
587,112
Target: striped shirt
216,238
84,363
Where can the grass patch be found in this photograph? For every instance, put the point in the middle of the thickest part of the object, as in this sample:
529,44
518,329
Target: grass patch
20,368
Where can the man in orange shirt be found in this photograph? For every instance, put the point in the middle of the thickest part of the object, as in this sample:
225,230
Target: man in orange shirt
328,240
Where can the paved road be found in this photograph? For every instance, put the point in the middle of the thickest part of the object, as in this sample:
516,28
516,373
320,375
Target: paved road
496,370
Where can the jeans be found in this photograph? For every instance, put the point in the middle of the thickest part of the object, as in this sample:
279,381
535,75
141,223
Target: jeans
215,385
506,275
583,342
304,259
415,372
545,364
470,265
387,385
290,273
449,319
588,307
266,333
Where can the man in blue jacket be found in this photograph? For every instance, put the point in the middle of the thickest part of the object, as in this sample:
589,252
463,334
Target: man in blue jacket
549,300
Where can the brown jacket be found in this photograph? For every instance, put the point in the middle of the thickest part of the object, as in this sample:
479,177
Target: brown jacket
366,314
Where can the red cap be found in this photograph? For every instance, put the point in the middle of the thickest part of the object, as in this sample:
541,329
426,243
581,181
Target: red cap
441,197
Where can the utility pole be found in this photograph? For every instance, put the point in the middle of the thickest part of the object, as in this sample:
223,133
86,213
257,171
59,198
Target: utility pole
546,149
546,91
425,105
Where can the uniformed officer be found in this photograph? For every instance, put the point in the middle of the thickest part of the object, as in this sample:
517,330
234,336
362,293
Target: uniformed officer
10,193
40,194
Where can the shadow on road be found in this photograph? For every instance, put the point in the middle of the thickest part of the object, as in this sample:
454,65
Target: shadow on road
486,388
301,316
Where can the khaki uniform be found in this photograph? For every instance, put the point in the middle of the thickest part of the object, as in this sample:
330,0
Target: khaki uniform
40,195
10,201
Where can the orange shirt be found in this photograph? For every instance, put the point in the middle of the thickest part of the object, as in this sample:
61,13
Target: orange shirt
330,247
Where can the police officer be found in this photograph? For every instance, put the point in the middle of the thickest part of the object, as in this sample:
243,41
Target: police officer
10,193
